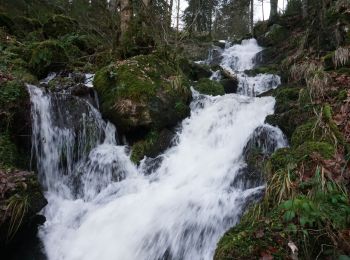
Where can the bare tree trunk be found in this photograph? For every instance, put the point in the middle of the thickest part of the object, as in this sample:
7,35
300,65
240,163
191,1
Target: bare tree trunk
305,8
252,16
273,10
171,4
262,7
125,18
177,21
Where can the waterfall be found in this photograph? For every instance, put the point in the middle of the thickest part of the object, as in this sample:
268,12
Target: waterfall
239,58
101,206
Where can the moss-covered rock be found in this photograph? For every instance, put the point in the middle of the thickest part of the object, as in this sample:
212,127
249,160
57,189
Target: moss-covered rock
59,25
144,91
309,132
281,158
328,61
270,69
155,143
48,56
194,71
304,151
275,35
209,87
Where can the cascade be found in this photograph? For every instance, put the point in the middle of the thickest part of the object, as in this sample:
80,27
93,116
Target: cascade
102,206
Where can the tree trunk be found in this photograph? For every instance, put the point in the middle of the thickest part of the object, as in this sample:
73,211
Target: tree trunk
252,17
125,18
171,4
273,10
262,7
305,8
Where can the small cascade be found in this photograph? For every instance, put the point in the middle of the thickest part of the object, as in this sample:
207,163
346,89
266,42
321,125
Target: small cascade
176,206
240,58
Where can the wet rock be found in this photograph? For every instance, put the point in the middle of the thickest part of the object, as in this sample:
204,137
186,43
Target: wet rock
229,81
220,44
215,56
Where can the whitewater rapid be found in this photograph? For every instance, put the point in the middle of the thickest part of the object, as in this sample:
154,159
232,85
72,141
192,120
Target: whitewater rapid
105,207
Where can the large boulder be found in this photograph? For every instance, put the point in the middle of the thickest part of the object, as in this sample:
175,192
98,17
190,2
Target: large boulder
143,92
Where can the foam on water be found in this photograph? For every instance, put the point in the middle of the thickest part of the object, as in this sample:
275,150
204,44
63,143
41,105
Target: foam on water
105,207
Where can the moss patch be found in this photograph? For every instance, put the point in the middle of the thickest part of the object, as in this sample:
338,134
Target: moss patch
48,56
209,87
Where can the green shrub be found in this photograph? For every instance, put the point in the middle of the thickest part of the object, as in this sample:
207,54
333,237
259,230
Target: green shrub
59,25
48,56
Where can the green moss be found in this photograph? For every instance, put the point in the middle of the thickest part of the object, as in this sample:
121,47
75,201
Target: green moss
144,148
342,95
8,152
48,56
59,25
304,151
252,240
144,90
327,116
281,158
328,61
271,69
209,87
286,98
309,132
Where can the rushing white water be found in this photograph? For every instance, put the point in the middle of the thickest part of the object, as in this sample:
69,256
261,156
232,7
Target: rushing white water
104,207
239,58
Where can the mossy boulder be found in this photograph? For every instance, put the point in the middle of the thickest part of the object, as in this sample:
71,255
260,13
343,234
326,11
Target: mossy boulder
286,98
281,158
85,43
275,35
59,25
48,56
309,132
209,87
328,61
145,91
194,71
270,69
304,151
